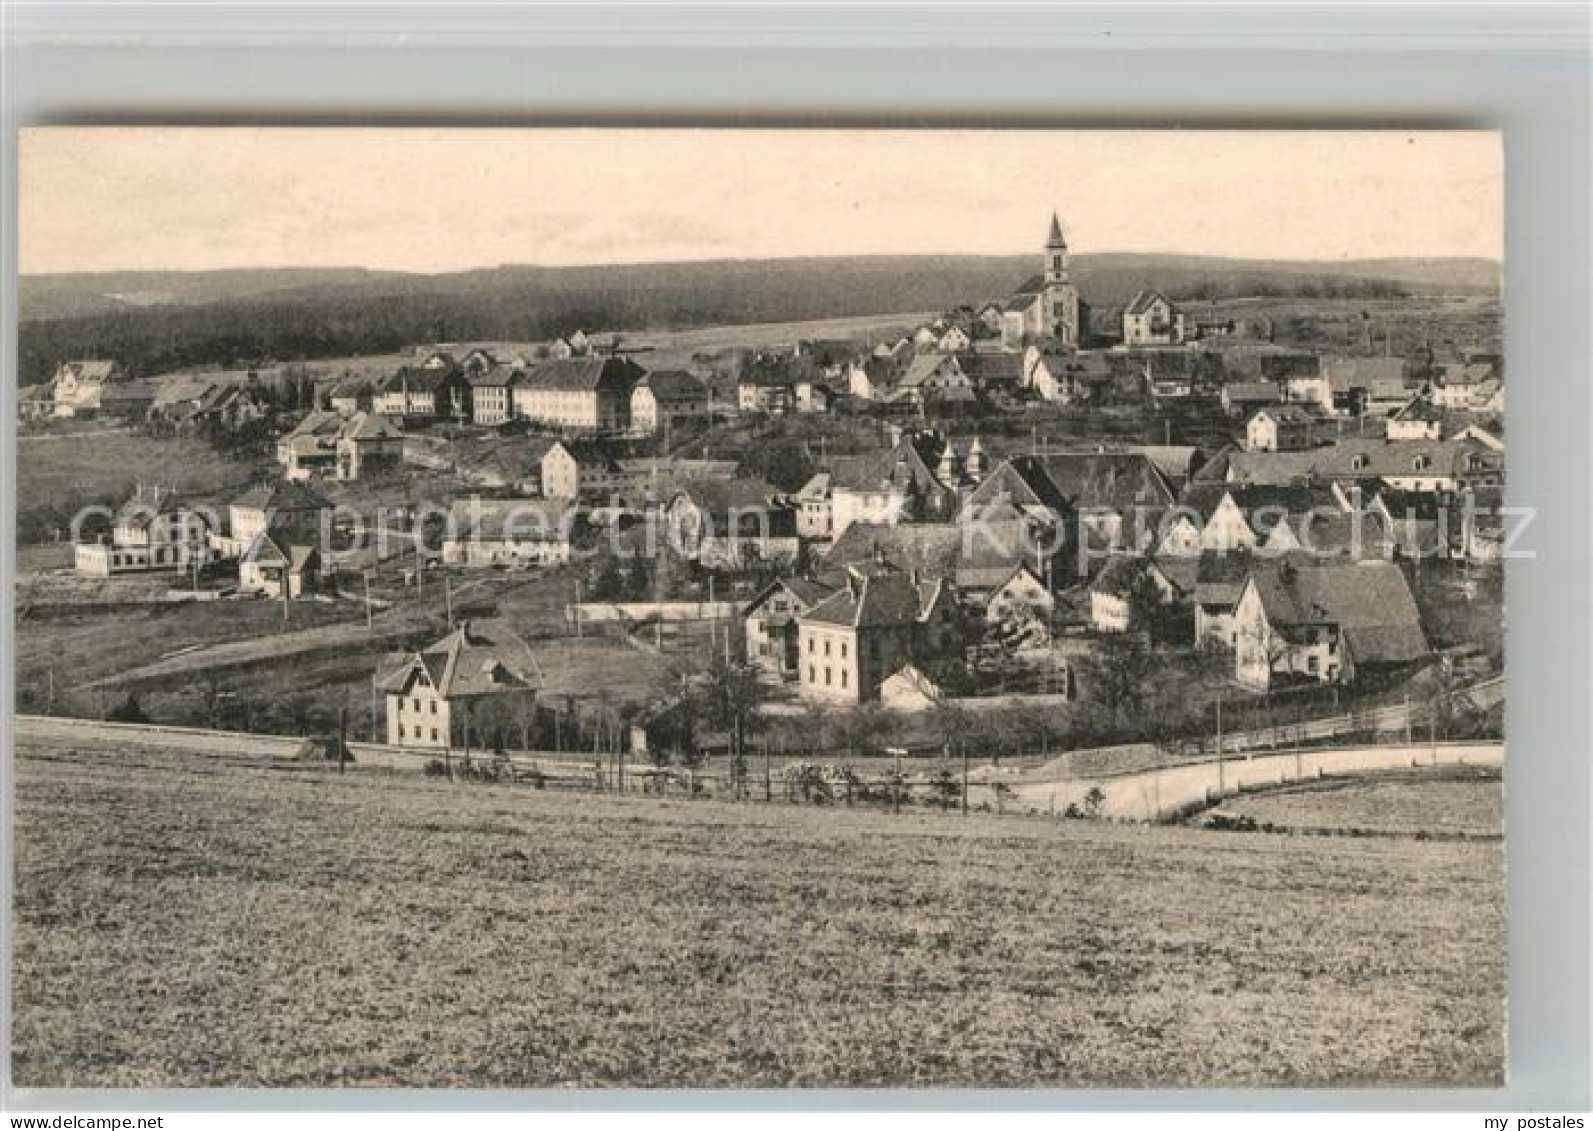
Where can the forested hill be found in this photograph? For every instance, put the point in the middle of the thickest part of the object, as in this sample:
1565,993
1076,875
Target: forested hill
161,320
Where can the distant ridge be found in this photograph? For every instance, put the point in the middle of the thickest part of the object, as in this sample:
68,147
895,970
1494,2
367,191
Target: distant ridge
157,320
1108,278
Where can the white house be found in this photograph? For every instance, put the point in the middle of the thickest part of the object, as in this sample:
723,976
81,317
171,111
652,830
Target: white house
1151,319
443,696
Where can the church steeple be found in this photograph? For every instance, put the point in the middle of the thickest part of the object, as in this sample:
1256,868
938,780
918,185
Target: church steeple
1056,254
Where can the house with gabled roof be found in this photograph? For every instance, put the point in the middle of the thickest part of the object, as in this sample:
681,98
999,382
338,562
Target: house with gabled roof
491,390
1124,589
577,468
1419,419
288,510
331,445
1240,398
505,533
732,523
437,698
1313,622
667,398
425,393
1105,496
1287,428
933,377
769,623
918,480
1151,319
78,387
850,642
274,567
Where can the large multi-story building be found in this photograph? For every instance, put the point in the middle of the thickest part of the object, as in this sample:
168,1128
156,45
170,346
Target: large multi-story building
583,394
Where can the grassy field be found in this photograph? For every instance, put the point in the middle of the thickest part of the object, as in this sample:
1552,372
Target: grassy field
1455,801
180,921
55,470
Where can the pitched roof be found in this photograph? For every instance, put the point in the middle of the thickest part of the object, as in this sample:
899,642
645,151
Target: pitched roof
582,374
1379,374
529,520
877,600
909,466
806,591
280,496
673,385
477,658
1370,602
1121,573
416,379
1143,301
92,369
1117,480
496,377
588,450
1259,392
718,495
135,390
1356,457
993,366
1292,414
924,367
933,549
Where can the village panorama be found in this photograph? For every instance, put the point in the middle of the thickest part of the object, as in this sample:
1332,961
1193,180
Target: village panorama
1096,680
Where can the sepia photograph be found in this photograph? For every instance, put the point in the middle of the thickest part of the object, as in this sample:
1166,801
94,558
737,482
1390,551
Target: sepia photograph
743,608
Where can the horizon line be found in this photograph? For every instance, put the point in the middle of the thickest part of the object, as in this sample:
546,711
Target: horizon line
619,264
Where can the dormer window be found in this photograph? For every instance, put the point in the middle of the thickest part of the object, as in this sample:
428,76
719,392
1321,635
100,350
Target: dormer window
1360,462
1422,462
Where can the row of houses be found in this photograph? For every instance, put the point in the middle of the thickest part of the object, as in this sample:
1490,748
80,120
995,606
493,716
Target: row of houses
596,394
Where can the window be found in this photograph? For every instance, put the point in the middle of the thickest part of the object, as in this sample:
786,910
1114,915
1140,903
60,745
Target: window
417,705
810,645
843,677
434,734
812,675
826,647
843,649
826,676
1311,664
434,706
1359,463
1421,463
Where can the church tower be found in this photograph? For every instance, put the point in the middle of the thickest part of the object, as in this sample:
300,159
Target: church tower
1056,254
1063,313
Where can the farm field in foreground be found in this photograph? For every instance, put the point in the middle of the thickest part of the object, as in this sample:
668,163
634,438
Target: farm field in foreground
180,921
1451,801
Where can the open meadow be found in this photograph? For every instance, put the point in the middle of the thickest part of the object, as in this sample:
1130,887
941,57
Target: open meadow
1453,801
181,920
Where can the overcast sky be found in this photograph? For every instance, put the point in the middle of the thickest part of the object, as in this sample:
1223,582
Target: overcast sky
444,199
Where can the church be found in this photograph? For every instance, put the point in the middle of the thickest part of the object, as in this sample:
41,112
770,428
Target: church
1046,306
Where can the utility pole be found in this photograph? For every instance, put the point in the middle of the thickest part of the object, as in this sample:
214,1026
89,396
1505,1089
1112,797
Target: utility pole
342,731
366,577
964,779
578,610
896,781
1220,782
375,712
448,600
